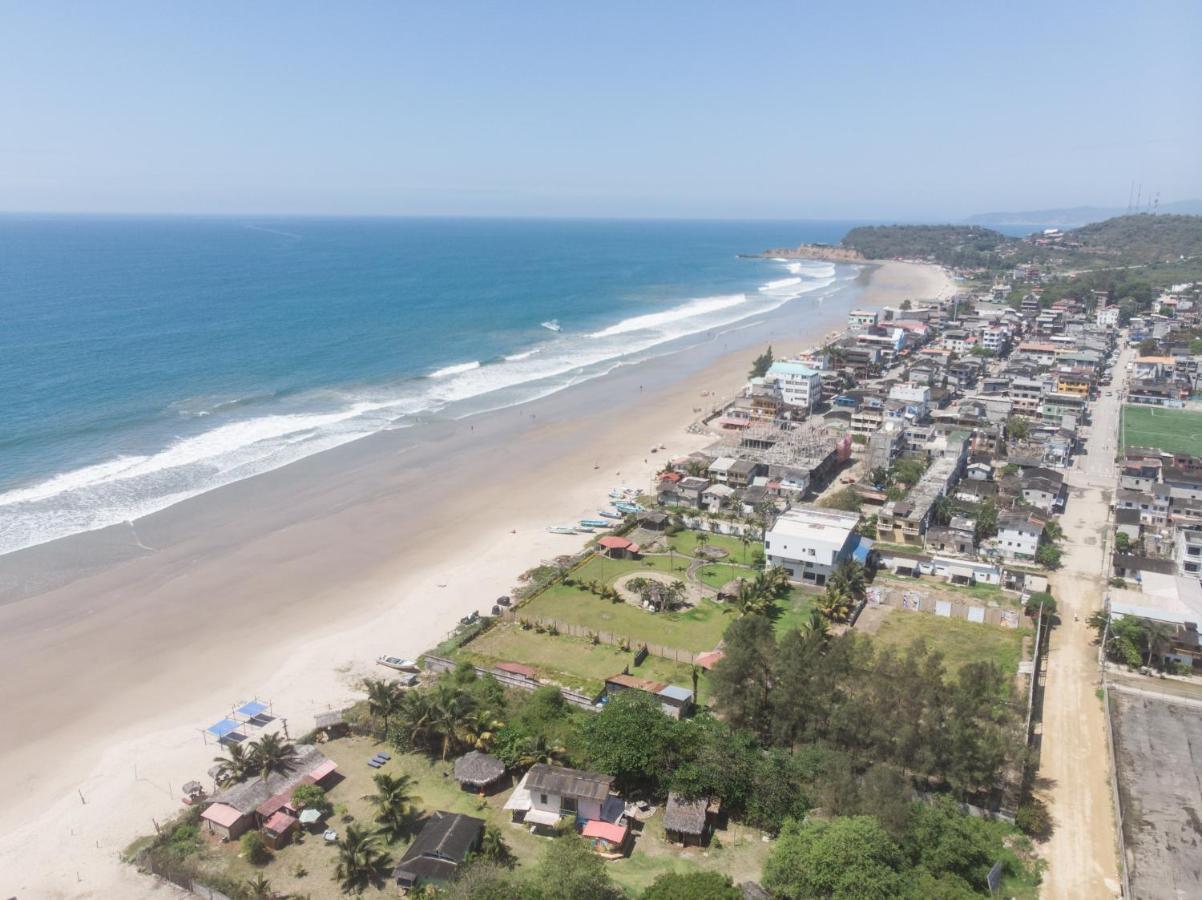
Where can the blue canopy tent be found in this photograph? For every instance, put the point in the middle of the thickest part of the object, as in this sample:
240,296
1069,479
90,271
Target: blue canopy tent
225,729
251,709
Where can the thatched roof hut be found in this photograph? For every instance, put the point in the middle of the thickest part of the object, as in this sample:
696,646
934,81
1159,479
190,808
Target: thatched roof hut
685,820
478,771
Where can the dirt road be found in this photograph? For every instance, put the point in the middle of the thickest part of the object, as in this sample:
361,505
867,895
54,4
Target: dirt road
1074,772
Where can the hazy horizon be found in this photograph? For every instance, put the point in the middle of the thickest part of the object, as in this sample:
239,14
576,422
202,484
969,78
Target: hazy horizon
544,111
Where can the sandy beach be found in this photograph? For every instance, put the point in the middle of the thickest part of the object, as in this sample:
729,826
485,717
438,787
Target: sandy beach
119,646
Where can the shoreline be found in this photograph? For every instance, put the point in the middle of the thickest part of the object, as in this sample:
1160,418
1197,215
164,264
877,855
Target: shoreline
287,585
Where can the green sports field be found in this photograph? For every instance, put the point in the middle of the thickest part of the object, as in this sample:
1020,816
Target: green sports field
1170,430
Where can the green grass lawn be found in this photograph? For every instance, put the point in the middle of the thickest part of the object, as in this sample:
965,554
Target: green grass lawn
717,574
959,640
793,611
686,542
697,629
607,571
570,661
1171,430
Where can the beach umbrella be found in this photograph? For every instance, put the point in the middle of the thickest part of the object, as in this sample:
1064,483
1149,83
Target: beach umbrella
192,787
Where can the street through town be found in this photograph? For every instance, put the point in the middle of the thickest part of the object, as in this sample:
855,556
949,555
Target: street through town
1074,772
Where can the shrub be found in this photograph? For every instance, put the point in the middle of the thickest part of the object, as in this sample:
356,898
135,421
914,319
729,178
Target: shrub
255,849
1033,819
310,796
184,840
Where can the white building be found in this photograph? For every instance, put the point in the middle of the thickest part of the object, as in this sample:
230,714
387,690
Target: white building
799,385
1018,535
859,319
1108,316
809,542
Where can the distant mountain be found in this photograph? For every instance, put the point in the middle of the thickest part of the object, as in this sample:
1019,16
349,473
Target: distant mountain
1074,217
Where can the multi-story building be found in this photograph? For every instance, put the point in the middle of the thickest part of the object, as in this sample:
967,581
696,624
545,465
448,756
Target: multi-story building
808,542
859,319
800,386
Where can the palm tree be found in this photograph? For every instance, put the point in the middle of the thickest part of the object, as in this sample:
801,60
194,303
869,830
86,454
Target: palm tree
236,767
394,801
777,581
817,627
1156,634
941,510
536,749
835,604
258,888
848,578
416,715
360,860
450,711
271,753
383,699
703,539
480,727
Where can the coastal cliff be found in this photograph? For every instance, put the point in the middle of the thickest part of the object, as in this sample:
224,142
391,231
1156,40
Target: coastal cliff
811,251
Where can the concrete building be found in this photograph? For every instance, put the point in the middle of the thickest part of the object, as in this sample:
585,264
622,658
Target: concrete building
800,386
859,319
809,542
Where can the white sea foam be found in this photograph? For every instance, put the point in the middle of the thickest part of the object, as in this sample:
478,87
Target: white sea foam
240,444
691,309
779,284
455,369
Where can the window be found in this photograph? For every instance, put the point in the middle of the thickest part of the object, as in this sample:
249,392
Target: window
542,798
568,804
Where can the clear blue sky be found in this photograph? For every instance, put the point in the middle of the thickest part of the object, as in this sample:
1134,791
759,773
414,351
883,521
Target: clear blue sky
890,110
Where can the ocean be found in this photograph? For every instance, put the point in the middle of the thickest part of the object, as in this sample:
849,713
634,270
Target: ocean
147,360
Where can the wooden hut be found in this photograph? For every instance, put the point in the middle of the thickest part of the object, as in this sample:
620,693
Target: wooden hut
688,821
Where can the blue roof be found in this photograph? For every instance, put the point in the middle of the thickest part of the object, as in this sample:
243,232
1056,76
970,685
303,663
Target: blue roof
222,728
861,550
251,709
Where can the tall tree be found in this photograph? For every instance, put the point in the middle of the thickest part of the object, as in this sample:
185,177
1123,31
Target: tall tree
384,700
361,862
394,802
271,753
741,682
843,859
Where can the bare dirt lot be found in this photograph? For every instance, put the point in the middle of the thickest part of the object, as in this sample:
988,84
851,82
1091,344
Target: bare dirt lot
1158,746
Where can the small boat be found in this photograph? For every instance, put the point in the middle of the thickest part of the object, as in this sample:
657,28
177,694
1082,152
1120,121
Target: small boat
609,513
398,663
628,507
562,529
617,494
552,325
594,523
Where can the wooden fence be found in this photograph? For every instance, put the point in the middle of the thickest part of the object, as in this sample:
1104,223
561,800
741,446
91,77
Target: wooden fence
605,637
511,679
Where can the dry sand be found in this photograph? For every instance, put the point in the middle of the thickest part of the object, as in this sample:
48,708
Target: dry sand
119,646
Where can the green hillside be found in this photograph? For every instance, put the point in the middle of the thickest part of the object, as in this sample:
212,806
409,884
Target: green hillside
953,245
1142,238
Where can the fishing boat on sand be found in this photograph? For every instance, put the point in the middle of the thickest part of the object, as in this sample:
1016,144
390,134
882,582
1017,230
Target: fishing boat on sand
610,513
594,523
562,529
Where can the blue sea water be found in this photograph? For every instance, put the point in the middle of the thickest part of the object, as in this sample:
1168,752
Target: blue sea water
146,360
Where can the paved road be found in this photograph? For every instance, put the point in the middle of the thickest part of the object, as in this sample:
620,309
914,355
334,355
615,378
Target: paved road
1074,772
